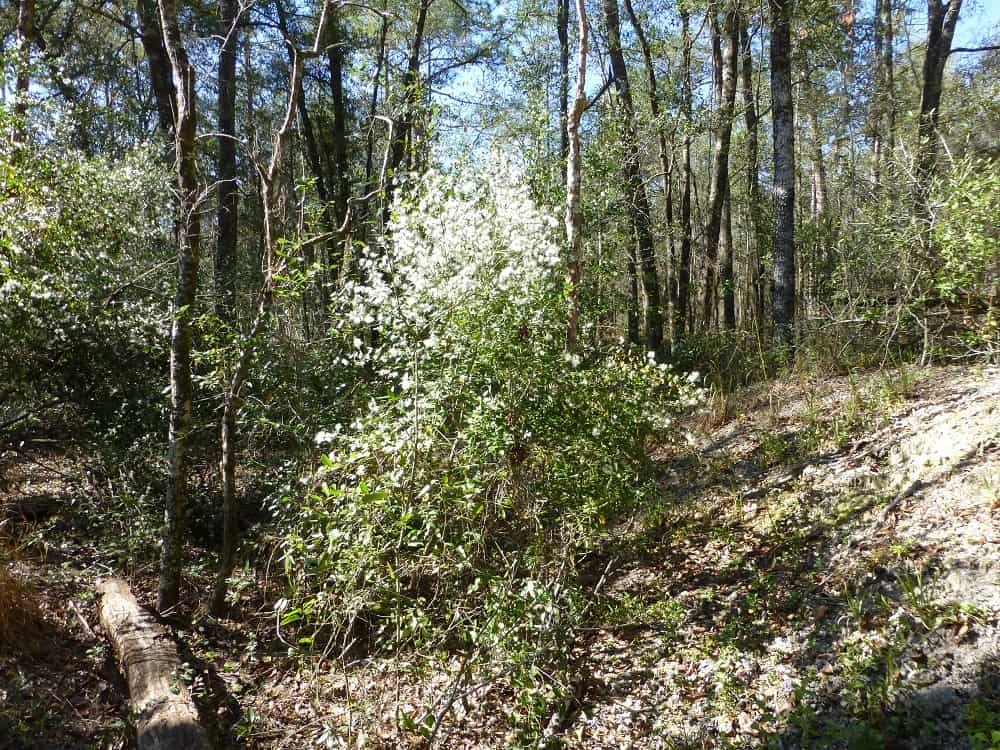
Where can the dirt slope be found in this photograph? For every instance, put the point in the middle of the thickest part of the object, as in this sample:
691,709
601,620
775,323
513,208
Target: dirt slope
821,571
826,574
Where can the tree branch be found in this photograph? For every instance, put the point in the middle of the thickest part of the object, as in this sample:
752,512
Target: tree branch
990,48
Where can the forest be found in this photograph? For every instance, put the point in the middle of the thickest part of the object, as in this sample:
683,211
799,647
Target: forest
499,373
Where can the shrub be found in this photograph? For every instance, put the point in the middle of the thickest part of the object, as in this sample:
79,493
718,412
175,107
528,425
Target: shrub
453,509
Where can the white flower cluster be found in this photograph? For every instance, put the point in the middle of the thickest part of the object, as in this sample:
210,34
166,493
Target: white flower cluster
475,235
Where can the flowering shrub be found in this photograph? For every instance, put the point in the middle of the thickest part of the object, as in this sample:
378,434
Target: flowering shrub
83,283
454,508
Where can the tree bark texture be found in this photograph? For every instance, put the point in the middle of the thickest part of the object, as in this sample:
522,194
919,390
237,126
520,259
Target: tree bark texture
725,60
225,249
265,298
188,256
160,73
783,128
755,208
24,34
574,216
684,268
635,187
163,711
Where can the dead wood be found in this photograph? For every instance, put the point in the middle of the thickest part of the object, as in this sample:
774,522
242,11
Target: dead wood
165,715
30,508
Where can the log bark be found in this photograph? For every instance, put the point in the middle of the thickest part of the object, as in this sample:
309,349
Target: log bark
165,715
31,507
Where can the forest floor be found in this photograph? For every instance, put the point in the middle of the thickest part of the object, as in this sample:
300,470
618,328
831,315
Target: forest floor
820,569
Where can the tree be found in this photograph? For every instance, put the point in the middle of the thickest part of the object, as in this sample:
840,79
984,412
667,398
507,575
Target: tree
783,128
188,256
684,269
25,33
574,219
233,400
160,73
664,153
225,251
725,63
941,20
635,186
402,127
755,208
562,32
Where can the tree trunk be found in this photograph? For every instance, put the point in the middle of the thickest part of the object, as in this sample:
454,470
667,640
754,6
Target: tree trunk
941,20
890,77
188,256
315,166
370,183
844,153
574,218
272,180
635,187
755,208
663,152
161,706
225,250
684,269
25,33
403,126
335,61
160,74
728,283
878,100
783,126
819,192
719,186
562,32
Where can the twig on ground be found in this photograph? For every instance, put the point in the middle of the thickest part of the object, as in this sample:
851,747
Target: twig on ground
83,623
912,488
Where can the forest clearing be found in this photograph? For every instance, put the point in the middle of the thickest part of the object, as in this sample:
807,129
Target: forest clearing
499,374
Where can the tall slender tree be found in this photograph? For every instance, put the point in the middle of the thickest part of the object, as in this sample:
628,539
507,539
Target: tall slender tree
725,64
635,186
225,249
783,128
755,211
562,32
664,153
272,179
942,17
25,33
188,257
684,268
574,215
402,130
160,73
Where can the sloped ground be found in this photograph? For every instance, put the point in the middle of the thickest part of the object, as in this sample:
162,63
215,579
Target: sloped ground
822,571
825,574
59,688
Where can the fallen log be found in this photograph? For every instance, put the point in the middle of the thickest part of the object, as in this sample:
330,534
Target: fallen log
30,507
165,715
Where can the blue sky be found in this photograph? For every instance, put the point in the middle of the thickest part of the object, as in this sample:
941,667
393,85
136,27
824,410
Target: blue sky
978,23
